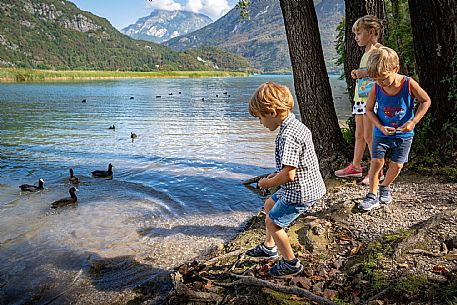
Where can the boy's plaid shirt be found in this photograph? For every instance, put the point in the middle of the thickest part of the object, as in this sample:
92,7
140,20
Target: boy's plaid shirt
294,147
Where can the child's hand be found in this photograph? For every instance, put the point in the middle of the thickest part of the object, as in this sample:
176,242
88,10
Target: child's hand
407,127
354,73
388,131
263,183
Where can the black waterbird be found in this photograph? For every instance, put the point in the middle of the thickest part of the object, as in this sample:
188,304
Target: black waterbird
104,174
66,201
73,178
32,188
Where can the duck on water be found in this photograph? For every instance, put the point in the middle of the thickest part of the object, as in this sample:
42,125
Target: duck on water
66,201
73,179
32,188
104,174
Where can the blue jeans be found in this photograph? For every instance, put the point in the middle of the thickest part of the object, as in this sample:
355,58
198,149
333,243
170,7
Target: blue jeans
284,212
400,148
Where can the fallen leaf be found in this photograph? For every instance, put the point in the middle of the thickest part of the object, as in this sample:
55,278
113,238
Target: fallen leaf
440,269
330,294
209,284
301,281
356,249
316,278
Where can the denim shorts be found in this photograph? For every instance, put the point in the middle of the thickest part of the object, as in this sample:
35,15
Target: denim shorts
284,212
400,148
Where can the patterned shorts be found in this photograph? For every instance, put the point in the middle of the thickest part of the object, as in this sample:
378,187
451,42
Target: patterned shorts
359,107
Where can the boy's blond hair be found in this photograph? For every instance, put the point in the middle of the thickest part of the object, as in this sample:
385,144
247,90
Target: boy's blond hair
271,97
367,23
382,61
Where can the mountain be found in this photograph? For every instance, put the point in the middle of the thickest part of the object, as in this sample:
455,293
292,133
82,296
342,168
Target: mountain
162,25
55,34
262,38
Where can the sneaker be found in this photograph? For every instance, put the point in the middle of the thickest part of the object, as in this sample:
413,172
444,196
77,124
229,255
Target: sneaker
348,172
366,180
260,251
283,268
385,195
369,202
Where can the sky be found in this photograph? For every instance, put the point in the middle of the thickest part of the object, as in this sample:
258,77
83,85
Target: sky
122,13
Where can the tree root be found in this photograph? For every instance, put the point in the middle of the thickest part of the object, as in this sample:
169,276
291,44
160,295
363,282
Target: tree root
253,281
224,256
425,252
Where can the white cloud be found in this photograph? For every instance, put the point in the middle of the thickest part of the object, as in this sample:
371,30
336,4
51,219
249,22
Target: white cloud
212,8
168,5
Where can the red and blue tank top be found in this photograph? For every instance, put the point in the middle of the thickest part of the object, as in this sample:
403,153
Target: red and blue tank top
395,110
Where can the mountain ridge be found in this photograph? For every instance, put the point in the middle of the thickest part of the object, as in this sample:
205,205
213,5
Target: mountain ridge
162,25
262,38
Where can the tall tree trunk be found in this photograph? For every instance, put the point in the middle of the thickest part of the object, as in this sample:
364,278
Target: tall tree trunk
312,86
355,9
399,36
434,27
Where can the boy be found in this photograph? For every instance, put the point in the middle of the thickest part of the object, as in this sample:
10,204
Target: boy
394,121
297,174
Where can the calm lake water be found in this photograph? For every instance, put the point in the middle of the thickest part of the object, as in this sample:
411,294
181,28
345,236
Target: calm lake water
176,190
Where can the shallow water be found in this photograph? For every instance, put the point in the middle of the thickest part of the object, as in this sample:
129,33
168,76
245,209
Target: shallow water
176,189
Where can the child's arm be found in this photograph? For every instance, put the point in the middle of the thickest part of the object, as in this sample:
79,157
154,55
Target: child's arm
359,73
387,130
285,175
424,103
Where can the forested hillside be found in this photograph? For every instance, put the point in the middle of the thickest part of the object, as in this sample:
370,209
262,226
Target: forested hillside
261,37
52,34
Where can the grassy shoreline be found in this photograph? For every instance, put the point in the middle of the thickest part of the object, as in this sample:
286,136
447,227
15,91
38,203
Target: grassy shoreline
33,75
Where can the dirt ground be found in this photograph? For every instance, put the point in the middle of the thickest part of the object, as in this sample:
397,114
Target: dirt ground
402,253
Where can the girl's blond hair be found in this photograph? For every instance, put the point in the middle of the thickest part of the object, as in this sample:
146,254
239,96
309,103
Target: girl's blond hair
381,61
367,23
271,97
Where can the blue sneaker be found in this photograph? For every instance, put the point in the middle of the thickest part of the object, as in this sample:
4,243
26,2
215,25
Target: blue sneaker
283,268
260,251
385,196
370,202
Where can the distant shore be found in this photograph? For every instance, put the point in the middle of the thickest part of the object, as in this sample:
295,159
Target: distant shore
32,75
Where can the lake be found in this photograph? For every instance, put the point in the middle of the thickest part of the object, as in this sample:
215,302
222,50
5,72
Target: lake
176,190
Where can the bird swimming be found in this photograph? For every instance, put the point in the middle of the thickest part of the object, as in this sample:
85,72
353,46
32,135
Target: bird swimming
112,127
66,201
104,174
133,135
32,188
73,178
83,101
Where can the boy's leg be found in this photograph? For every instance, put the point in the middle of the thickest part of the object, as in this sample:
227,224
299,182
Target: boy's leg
280,238
376,165
392,173
267,249
281,216
400,153
268,205
379,148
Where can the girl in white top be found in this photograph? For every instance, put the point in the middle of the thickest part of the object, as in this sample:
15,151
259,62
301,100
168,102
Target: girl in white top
366,30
